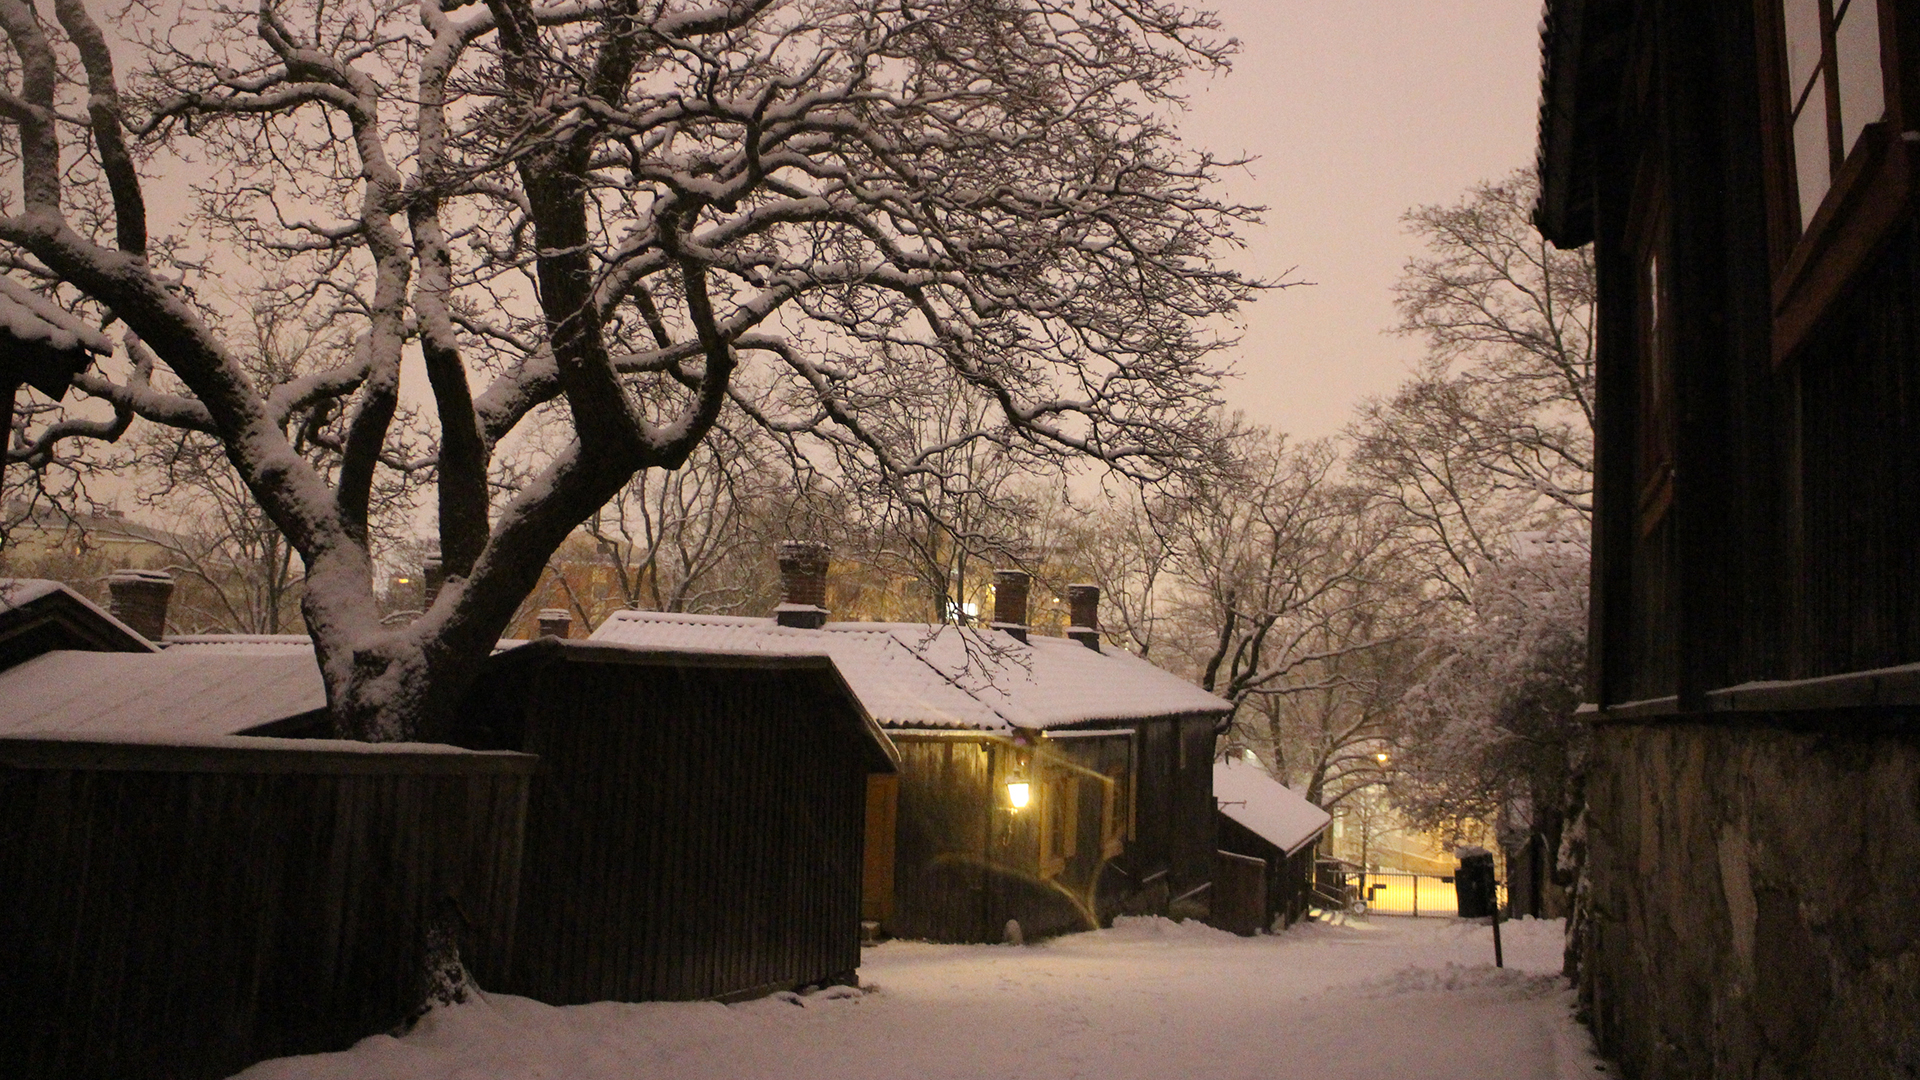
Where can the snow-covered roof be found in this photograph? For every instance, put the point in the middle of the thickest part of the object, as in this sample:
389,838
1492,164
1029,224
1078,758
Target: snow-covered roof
183,691
911,675
38,615
1274,812
242,644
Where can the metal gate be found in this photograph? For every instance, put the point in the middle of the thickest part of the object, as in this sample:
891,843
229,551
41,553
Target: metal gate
1408,894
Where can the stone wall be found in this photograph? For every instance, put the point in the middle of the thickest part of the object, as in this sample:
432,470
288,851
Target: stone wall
1755,900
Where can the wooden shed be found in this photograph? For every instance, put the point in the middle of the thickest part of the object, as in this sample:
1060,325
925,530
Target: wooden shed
1268,837
1748,174
1114,755
695,830
181,907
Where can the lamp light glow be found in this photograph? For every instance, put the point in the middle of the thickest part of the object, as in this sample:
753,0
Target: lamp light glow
1018,792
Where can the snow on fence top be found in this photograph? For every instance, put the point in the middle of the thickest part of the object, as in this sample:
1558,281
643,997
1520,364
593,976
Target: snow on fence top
1273,811
913,675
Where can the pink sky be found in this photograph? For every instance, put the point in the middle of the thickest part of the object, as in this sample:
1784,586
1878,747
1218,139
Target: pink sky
1357,110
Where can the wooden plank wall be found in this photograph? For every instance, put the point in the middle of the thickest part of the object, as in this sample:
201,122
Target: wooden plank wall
695,832
1193,806
1289,879
1857,598
947,831
1240,899
1790,550
185,911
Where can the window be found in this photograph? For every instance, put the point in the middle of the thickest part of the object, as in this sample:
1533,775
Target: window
1059,823
1656,396
1838,174
1113,815
1654,437
1835,88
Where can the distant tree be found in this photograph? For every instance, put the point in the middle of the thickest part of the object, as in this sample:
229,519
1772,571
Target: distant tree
632,218
1276,558
967,509
1489,734
1495,434
694,539
1127,545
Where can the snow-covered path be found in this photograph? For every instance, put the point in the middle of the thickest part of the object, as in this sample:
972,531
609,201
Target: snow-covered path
1398,998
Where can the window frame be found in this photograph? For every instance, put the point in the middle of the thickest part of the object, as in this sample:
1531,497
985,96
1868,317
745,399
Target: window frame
1655,426
1059,821
1813,261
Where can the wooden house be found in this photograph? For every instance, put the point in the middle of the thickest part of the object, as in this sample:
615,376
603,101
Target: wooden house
1746,174
1049,782
695,829
1268,837
39,616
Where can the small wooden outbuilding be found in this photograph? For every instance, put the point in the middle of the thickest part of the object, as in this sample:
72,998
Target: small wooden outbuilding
695,830
39,616
1268,835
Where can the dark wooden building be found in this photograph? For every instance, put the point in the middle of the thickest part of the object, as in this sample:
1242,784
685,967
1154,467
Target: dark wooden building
1746,172
1269,837
1114,758
695,828
182,907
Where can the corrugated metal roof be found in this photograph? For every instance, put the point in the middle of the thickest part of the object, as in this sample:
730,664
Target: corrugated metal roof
185,692
912,675
1273,811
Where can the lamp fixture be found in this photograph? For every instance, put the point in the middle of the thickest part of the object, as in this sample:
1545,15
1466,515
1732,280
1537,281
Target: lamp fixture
1018,793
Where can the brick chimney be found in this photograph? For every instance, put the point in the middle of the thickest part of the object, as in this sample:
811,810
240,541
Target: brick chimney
140,600
432,576
555,622
803,584
1010,601
1083,603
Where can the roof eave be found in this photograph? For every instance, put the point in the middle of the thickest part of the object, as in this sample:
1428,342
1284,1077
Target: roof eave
1564,214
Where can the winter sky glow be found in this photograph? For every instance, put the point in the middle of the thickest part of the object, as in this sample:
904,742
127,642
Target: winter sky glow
1357,111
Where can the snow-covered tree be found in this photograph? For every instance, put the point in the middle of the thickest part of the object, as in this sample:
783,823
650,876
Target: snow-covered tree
1489,734
1283,570
633,216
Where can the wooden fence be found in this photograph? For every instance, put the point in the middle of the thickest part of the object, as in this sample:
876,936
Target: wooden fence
181,910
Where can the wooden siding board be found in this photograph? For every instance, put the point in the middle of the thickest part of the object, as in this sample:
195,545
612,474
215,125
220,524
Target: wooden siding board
160,924
689,839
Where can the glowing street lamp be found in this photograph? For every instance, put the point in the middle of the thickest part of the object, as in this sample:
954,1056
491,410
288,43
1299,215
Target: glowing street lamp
1018,792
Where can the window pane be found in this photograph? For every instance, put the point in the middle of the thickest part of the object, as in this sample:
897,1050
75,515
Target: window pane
1810,153
1856,46
1803,41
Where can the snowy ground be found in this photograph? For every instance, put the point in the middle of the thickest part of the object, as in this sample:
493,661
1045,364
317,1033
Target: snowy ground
1394,998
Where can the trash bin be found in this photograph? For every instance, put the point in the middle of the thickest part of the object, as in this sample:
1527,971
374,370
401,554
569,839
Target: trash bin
1474,884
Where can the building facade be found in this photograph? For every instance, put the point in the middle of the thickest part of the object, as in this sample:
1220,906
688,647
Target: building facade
1745,171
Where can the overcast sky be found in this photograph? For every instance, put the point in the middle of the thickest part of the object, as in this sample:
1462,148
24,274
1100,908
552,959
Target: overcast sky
1357,110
